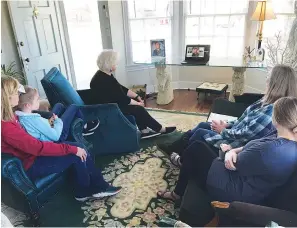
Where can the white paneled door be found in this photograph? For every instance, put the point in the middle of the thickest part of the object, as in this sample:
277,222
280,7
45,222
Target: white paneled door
38,38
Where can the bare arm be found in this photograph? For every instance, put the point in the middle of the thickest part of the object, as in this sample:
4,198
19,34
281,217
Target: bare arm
133,102
238,150
131,94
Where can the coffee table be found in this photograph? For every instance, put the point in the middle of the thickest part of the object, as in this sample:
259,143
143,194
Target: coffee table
212,88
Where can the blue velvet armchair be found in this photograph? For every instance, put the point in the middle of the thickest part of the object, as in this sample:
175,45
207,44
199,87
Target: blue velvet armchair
21,193
116,132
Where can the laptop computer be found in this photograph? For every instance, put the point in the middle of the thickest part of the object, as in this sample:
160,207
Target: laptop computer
197,54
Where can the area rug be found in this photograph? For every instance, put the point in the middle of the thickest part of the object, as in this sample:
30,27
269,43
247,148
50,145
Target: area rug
141,175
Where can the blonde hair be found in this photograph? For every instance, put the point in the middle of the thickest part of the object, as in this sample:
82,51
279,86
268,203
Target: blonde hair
9,87
282,83
28,97
285,113
106,60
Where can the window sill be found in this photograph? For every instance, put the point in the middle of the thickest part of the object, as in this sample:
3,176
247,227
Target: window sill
139,67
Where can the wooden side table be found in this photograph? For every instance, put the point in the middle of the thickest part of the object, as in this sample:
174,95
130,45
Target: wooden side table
212,88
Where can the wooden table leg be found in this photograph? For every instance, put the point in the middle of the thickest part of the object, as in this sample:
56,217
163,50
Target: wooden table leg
238,81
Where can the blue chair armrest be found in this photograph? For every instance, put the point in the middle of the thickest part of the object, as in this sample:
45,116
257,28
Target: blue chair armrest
76,132
12,170
115,134
104,112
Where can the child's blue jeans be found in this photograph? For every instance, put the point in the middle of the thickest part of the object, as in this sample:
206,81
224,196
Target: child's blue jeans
67,115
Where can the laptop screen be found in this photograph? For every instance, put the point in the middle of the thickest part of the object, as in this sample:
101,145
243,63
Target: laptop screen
195,52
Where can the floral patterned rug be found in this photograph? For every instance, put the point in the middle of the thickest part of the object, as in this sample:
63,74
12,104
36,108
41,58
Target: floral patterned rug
141,175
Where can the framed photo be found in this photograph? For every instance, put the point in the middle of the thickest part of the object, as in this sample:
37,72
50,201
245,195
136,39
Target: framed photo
158,48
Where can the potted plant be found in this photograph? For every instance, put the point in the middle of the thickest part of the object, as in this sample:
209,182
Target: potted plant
11,71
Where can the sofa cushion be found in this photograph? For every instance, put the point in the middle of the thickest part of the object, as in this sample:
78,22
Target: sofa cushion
195,209
59,90
285,197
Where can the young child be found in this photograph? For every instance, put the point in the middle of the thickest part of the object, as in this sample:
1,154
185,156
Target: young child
53,129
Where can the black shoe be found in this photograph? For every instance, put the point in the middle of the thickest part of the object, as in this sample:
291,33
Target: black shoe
169,130
90,127
149,134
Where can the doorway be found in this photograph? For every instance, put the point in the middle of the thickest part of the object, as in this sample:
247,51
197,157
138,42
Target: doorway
39,39
82,18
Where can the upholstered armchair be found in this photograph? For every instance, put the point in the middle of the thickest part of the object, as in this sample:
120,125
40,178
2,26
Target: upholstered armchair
23,194
116,132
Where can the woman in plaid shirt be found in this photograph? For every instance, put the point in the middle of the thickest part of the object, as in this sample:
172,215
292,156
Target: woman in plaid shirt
254,123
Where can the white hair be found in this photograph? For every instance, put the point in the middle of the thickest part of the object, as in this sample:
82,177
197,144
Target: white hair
106,60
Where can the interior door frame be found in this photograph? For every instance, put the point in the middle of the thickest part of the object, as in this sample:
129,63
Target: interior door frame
63,28
65,43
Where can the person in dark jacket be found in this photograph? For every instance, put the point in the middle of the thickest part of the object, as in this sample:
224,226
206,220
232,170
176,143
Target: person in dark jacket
250,173
106,89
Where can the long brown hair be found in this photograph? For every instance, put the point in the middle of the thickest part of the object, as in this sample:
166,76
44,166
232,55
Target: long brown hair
282,83
9,86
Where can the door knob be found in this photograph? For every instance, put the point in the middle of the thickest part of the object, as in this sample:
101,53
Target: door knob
27,60
22,43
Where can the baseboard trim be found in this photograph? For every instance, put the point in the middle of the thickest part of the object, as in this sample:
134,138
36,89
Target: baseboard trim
180,85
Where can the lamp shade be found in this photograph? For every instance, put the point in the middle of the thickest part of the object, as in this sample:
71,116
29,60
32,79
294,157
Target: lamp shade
263,12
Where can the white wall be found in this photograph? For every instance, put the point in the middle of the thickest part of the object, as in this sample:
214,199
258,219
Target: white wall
8,42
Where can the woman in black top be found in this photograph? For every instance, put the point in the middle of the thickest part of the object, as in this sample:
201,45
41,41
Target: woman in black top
106,89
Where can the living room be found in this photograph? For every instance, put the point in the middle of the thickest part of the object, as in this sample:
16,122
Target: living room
53,46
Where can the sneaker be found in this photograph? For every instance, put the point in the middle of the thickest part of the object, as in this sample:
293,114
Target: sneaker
90,127
149,134
83,199
110,191
169,130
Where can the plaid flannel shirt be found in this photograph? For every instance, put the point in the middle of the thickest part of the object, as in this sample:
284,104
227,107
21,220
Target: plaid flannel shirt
254,123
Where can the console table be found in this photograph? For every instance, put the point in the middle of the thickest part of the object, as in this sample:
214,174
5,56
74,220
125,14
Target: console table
165,91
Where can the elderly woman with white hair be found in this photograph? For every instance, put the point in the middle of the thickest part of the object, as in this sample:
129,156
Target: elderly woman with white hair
106,89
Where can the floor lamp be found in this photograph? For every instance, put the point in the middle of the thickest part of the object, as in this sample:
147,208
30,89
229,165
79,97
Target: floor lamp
262,13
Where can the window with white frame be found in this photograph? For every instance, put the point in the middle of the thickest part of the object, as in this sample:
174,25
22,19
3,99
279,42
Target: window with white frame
147,20
220,23
284,12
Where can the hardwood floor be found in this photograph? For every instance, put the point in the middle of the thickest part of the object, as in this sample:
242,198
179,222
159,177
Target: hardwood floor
186,101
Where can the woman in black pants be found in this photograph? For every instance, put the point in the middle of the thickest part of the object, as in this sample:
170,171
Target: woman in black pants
106,89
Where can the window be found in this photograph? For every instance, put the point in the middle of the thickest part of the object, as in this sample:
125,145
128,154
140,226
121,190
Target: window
284,12
220,23
147,20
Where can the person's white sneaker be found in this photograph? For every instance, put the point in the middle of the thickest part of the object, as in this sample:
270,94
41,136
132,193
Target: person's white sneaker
83,199
110,191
